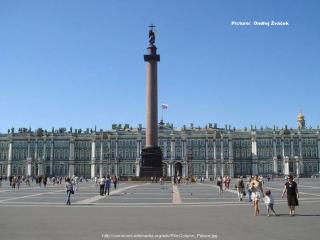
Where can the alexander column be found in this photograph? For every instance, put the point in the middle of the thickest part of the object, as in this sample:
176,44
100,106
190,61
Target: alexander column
151,155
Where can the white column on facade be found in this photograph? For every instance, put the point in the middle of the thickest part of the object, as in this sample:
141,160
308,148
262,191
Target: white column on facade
138,158
184,149
298,166
101,172
51,157
44,154
282,148
275,159
109,155
43,157
291,148
29,168
137,165
71,157
222,156
173,149
138,144
214,158
117,148
169,169
231,162
300,156
38,162
116,160
9,165
165,156
93,158
275,165
274,145
254,155
36,150
207,158
286,165
184,169
172,168
300,148
29,173
207,149
318,153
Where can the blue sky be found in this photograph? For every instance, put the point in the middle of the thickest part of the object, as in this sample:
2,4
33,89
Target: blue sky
80,63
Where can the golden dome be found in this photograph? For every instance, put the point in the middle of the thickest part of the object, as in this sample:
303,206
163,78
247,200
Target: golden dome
300,116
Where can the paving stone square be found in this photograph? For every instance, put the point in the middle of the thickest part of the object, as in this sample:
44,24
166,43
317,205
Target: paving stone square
150,208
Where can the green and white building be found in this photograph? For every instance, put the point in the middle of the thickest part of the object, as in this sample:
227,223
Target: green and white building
206,152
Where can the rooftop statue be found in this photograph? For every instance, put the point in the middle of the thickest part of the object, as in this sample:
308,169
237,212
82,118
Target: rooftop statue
152,37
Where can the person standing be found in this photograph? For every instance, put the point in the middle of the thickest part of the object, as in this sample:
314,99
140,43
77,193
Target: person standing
291,188
107,185
220,185
115,182
240,188
69,190
249,189
102,183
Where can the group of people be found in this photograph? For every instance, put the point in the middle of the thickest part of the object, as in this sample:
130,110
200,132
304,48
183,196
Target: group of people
256,193
223,183
105,184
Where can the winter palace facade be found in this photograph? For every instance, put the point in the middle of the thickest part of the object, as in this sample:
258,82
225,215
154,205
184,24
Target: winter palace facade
206,152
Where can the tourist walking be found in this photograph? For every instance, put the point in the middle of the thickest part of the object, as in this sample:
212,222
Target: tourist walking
102,183
291,188
256,188
240,188
220,185
115,182
269,201
18,182
107,185
69,190
249,190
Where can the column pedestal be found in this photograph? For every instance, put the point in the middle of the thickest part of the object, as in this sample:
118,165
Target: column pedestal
151,164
